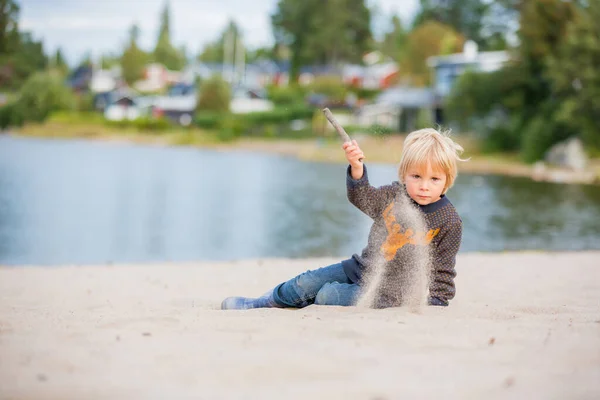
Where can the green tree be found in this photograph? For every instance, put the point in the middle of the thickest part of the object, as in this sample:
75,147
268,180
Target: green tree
86,59
429,39
394,42
331,86
543,28
483,21
231,37
164,52
574,75
322,32
214,96
261,53
465,16
530,92
107,61
58,62
133,60
27,58
20,55
42,94
9,26
490,105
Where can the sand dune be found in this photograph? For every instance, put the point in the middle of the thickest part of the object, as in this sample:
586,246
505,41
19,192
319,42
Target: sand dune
523,325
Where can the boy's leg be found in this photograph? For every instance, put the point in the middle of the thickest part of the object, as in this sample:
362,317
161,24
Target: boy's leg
297,292
338,294
302,290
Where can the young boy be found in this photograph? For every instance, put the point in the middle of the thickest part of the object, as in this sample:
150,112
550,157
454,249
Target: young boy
427,170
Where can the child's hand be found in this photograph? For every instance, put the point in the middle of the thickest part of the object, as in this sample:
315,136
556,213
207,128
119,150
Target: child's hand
355,157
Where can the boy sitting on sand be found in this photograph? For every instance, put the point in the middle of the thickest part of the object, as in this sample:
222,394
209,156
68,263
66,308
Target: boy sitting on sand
410,236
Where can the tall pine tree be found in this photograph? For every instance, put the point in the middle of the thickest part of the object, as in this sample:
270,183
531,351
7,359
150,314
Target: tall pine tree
483,21
319,32
133,59
20,54
574,75
394,42
215,51
164,52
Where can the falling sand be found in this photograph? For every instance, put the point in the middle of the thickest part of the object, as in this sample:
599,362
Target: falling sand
391,284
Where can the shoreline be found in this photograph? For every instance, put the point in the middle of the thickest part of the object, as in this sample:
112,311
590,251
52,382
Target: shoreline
521,325
379,150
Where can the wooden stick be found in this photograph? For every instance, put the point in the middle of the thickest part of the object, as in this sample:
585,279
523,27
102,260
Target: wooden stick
340,130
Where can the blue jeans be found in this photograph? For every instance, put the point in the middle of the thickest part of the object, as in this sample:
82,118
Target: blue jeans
325,286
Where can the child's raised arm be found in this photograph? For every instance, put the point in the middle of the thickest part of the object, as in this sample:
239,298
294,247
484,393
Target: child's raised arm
355,157
368,199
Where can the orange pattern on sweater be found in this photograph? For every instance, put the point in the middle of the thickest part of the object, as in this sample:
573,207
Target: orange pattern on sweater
397,238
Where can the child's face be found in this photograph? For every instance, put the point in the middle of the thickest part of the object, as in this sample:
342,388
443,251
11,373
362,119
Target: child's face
424,184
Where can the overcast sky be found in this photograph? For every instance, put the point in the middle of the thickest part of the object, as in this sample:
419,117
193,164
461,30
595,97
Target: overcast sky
100,26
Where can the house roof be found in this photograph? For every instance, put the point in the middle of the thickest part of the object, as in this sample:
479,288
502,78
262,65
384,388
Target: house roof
382,69
466,58
264,66
410,97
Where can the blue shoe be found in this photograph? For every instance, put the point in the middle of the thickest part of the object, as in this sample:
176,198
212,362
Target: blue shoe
247,303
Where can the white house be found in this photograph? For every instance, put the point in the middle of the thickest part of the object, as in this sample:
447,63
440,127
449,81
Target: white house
105,80
157,77
244,100
449,67
124,105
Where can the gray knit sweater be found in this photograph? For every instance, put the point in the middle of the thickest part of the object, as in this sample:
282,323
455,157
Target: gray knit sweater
443,236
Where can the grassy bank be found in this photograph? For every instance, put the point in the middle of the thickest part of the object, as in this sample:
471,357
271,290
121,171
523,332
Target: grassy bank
378,149
92,126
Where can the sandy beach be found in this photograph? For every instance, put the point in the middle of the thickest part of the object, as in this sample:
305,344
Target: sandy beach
523,325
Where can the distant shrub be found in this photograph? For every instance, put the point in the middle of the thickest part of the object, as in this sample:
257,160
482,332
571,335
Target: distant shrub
331,86
540,134
11,115
82,117
299,112
286,95
183,138
475,94
262,123
215,95
231,128
319,123
279,115
264,117
502,136
209,120
144,124
366,94
269,131
42,94
151,124
84,102
379,130
122,124
482,103
350,129
5,115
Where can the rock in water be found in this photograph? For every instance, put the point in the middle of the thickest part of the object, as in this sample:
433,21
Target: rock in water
568,154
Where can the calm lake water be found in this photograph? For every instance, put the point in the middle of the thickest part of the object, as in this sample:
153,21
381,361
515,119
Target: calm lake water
75,202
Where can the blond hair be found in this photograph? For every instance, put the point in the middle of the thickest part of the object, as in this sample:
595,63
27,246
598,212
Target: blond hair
437,148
